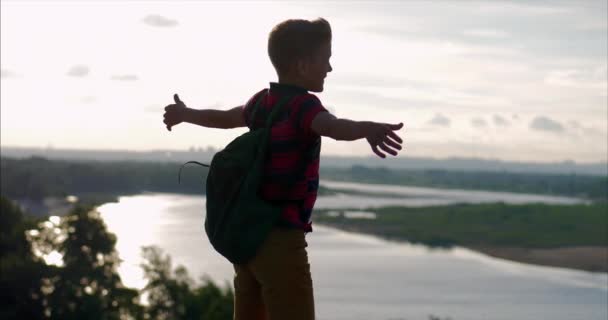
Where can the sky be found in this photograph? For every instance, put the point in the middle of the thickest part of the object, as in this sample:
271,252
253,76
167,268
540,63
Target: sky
508,80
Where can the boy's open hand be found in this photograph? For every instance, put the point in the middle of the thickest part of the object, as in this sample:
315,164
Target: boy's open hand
382,136
174,113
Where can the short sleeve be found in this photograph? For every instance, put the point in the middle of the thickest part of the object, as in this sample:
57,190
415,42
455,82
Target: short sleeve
307,111
248,107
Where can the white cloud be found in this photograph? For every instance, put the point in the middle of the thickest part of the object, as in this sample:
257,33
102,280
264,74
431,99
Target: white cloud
424,62
479,123
487,33
157,20
78,71
6,74
587,131
500,121
440,120
88,99
125,77
595,78
543,123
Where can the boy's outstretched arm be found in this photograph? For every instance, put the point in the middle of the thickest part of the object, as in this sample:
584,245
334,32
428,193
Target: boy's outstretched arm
225,119
380,136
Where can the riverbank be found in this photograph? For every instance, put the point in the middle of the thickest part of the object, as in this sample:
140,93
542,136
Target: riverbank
568,236
585,258
593,259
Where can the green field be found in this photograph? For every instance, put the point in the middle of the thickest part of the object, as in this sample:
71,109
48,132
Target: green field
497,224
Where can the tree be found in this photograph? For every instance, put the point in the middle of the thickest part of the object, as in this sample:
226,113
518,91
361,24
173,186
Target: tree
82,281
174,295
21,273
86,285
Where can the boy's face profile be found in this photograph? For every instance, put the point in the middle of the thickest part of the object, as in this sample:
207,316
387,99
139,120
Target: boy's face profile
313,70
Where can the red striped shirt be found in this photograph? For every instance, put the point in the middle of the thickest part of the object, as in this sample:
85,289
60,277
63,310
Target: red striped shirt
291,172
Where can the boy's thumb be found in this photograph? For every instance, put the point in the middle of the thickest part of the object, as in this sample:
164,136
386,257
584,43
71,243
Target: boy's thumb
177,100
396,126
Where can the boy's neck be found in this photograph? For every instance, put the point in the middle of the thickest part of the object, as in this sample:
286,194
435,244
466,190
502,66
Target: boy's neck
292,82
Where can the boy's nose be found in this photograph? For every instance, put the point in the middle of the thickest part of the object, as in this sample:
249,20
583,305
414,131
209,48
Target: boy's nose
330,68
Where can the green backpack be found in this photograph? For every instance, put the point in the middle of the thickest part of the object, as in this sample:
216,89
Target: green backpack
238,220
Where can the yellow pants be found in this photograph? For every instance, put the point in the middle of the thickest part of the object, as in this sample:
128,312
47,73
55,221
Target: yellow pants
276,284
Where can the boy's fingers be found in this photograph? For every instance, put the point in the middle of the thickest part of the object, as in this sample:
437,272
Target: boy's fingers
376,151
392,144
387,149
394,136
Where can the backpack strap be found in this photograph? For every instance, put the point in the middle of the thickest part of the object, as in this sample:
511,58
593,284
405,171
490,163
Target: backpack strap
256,107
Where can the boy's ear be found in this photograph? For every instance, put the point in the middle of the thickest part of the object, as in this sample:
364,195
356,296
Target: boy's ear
301,66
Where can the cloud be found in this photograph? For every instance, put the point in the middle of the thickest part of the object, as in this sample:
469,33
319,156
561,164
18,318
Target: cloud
440,120
583,77
587,131
153,108
157,20
478,123
574,124
500,121
5,74
486,33
499,29
78,71
366,98
542,123
88,99
125,77
160,108
374,80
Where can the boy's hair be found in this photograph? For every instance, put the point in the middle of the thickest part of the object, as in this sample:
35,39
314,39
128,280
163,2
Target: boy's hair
296,39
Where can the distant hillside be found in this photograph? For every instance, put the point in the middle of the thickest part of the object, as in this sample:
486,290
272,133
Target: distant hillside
460,164
32,181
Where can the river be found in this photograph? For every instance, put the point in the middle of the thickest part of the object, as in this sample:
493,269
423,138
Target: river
363,277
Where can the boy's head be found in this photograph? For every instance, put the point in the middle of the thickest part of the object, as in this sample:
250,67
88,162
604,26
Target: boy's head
300,50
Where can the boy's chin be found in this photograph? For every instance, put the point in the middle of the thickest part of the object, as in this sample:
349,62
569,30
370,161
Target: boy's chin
318,88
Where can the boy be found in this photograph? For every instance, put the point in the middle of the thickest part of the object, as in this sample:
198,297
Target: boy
276,284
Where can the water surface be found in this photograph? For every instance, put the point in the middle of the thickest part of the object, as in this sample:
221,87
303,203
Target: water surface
364,277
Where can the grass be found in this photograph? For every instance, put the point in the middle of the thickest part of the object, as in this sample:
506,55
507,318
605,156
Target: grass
496,224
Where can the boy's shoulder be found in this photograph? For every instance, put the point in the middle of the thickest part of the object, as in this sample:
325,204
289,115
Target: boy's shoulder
303,106
300,98
275,90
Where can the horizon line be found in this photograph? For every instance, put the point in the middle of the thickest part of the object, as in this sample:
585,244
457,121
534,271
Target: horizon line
199,149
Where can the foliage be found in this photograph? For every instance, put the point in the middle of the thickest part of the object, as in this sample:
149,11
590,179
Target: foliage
37,177
93,181
590,187
529,225
85,284
175,296
21,272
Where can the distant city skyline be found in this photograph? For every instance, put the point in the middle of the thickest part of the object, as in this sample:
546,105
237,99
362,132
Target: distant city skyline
509,80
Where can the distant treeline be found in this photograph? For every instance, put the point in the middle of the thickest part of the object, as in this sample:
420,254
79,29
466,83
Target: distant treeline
36,178
582,186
